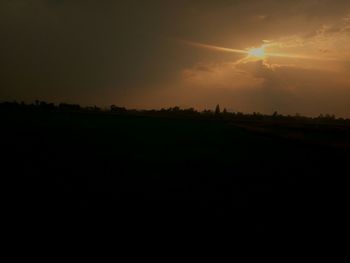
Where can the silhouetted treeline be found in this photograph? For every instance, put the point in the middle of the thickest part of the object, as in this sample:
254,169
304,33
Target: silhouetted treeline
176,111
45,106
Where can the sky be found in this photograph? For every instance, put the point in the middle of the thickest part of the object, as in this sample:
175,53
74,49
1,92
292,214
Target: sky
187,53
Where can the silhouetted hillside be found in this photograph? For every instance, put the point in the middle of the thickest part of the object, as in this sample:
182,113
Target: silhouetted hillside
262,172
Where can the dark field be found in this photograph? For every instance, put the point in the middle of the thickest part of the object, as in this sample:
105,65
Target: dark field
264,176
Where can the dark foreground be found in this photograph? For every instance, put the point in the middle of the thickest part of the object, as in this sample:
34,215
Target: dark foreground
253,176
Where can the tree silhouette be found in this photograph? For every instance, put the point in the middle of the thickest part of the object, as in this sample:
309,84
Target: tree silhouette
217,110
114,108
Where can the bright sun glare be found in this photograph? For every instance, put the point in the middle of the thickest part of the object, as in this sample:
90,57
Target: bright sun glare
257,53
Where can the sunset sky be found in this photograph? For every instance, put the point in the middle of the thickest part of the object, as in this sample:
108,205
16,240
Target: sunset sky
290,56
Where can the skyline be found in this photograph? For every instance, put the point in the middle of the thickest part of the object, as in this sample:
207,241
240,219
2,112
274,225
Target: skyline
248,56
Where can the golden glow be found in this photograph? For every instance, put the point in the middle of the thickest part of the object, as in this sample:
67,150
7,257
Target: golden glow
252,54
257,53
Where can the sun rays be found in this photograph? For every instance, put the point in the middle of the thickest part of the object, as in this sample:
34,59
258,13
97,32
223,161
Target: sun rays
254,53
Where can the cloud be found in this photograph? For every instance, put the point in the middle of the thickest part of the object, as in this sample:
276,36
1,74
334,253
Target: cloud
260,86
120,52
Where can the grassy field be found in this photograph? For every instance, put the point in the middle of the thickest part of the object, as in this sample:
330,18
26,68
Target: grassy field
265,175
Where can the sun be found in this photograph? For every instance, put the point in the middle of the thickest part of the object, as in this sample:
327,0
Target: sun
257,53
